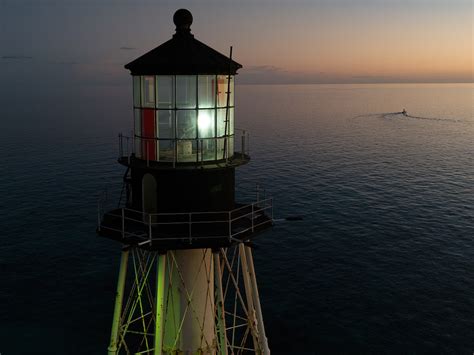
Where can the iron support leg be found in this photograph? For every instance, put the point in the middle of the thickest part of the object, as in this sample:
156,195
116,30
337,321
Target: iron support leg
114,337
256,298
160,303
248,293
220,304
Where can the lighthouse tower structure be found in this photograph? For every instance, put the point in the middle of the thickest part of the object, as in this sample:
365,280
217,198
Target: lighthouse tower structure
186,282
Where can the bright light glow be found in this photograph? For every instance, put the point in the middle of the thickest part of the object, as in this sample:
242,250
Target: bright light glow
204,121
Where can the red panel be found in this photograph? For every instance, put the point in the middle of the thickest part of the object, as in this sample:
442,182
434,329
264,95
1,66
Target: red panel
148,131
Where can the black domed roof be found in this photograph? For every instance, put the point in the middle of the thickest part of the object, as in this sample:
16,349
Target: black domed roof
183,55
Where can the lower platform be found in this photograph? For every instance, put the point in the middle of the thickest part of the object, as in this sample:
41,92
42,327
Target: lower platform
173,231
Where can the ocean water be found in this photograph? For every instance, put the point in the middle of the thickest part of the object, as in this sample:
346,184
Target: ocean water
381,262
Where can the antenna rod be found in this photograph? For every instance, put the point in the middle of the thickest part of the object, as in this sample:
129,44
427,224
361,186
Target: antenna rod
227,106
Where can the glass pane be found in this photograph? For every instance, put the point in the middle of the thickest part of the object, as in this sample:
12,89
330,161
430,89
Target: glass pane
165,91
148,91
137,122
138,147
148,134
221,126
230,146
185,91
206,123
186,124
137,131
165,123
136,91
221,142
206,91
166,150
222,91
231,91
209,149
187,150
220,148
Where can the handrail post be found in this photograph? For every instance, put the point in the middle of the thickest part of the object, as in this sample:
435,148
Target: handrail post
123,223
190,228
243,143
149,228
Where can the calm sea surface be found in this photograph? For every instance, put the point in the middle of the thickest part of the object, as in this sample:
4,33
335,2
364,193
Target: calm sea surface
382,262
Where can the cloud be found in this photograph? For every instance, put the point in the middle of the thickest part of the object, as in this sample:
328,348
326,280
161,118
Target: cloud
14,57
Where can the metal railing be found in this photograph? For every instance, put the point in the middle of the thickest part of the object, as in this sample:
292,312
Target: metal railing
186,226
174,151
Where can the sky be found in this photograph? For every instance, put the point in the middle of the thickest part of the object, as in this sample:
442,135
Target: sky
276,41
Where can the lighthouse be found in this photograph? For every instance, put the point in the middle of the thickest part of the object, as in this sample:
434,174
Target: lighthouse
186,281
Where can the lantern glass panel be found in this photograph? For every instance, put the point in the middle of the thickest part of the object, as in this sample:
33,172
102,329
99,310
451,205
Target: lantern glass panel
185,91
208,149
148,91
206,91
222,87
165,124
186,124
220,148
206,123
138,131
136,91
165,91
187,150
221,126
166,150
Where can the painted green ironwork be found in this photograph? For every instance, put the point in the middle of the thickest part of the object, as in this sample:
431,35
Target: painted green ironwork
112,349
160,297
165,298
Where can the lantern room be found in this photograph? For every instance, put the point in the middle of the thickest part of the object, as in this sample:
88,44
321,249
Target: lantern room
183,102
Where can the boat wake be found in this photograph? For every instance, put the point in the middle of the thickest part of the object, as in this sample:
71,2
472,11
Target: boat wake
404,115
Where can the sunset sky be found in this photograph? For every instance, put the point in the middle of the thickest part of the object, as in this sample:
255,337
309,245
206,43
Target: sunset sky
291,41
